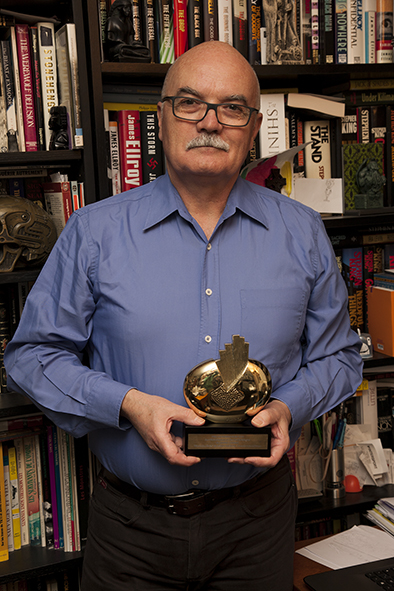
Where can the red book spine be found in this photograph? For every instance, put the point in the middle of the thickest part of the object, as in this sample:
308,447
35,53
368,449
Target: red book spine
130,149
180,27
27,87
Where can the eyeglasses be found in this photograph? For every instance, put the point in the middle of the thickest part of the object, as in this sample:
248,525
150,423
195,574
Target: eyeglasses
191,109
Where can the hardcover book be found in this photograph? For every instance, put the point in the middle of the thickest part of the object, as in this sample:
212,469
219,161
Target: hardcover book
210,20
195,22
16,520
114,157
272,134
33,504
48,66
384,31
9,89
3,114
27,87
149,23
130,148
318,151
7,494
352,272
355,32
370,36
35,58
180,27
17,88
22,492
166,31
58,202
4,554
225,21
340,28
151,147
255,10
240,27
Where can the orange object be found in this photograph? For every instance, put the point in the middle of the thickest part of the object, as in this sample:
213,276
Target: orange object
352,484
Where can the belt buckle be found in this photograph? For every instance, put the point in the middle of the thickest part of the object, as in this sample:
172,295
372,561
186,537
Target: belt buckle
175,502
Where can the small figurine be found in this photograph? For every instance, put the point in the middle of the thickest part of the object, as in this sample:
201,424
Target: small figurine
370,183
58,124
120,38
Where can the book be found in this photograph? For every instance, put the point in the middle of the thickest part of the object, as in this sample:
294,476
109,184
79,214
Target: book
149,26
340,28
58,202
355,32
27,87
7,494
166,31
35,58
384,31
327,31
8,77
22,492
368,277
48,68
315,103
272,134
210,20
3,113
225,21
360,98
17,87
64,80
370,36
240,27
40,490
58,487
46,499
4,554
352,273
65,489
180,27
307,32
195,30
349,127
137,21
318,152
315,40
358,158
363,125
16,520
52,484
130,149
33,506
114,157
151,148
74,195
255,9
381,319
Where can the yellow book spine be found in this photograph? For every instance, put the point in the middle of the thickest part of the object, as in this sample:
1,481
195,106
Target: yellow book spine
130,106
4,555
16,519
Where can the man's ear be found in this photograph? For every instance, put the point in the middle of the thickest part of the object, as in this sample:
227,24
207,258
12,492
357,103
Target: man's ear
159,116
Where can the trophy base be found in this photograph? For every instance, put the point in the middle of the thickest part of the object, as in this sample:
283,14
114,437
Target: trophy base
231,440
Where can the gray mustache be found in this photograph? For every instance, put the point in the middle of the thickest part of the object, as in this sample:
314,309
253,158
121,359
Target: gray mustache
209,141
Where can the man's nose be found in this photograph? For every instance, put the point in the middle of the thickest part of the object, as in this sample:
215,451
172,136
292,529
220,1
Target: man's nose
210,120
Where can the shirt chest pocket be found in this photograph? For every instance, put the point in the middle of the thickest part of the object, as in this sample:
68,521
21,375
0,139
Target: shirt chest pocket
272,322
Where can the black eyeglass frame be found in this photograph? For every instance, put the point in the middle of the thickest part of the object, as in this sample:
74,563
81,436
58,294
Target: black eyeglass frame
210,106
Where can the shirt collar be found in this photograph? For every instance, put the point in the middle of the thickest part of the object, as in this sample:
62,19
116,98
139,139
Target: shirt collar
244,196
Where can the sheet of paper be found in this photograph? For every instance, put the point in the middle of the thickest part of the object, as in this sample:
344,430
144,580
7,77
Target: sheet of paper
360,544
323,195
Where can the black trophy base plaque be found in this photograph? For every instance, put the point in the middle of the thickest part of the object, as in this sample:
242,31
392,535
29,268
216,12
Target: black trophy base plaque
227,441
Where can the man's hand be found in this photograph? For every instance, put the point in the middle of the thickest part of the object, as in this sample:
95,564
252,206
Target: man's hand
277,416
153,416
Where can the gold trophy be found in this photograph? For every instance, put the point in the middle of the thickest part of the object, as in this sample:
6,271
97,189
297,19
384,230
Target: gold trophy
226,392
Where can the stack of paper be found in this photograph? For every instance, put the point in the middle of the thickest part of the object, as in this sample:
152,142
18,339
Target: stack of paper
383,514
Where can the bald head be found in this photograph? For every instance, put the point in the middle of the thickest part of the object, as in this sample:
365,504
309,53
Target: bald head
216,54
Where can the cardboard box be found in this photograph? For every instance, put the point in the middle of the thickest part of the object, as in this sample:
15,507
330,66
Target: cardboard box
381,319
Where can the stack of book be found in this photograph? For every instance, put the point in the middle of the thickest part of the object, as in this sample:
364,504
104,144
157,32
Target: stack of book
383,514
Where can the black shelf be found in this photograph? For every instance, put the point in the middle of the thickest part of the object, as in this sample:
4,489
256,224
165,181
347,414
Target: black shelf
33,561
19,275
321,507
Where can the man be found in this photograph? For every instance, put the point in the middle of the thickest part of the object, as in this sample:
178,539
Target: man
155,281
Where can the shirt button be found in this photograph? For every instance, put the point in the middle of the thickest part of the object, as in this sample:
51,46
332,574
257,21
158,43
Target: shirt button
208,291
209,246
208,339
195,482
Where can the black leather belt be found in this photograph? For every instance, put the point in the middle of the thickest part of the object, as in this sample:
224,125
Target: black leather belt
186,504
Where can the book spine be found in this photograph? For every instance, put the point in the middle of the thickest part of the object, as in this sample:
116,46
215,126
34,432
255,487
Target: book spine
33,504
240,27
225,21
3,113
349,126
16,519
4,553
27,87
130,149
272,134
35,58
22,492
64,80
52,483
352,272
355,33
17,87
48,66
46,500
195,22
77,535
390,158
384,31
65,488
58,202
368,278
340,27
307,32
149,21
8,494
12,125
363,125
180,27
315,32
137,21
328,32
115,160
255,9
370,36
40,490
74,195
210,20
166,32
318,152
152,156
74,75
59,489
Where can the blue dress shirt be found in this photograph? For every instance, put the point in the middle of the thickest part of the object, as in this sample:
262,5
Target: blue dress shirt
134,281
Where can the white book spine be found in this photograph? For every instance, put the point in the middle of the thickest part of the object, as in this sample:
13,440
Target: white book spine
48,65
18,92
115,161
370,36
318,152
355,32
225,21
272,135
